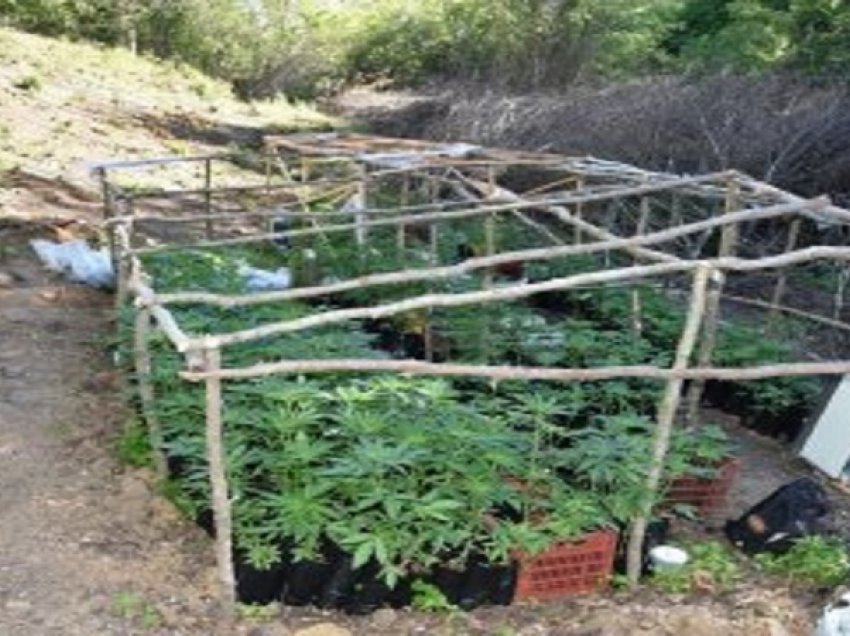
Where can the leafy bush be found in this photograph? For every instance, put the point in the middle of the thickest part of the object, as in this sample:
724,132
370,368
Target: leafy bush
711,567
610,457
814,560
133,446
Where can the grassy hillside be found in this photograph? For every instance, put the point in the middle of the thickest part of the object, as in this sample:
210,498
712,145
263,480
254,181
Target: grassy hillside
64,106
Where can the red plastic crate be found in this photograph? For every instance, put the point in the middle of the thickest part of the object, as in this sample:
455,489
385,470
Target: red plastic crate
707,496
567,568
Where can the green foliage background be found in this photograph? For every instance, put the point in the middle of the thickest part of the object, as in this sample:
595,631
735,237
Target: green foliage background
307,46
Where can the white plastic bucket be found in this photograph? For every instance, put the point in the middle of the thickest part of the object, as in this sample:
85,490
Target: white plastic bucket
667,557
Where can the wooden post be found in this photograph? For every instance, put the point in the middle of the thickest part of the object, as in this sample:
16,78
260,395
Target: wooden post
666,419
637,310
405,190
363,196
218,482
146,392
782,279
729,234
579,214
490,247
401,230
121,256
121,277
208,196
492,185
108,213
401,242
840,289
267,165
728,243
428,332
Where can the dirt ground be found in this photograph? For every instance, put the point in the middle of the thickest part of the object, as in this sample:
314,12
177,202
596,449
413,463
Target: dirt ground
88,548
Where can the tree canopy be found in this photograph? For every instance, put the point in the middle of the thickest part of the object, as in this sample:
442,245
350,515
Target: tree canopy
302,46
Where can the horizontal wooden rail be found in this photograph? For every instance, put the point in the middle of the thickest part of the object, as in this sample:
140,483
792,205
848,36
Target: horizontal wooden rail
438,216
474,264
418,367
515,292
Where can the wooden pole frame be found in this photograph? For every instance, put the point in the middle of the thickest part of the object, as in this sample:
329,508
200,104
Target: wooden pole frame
221,505
711,323
146,391
204,354
782,278
664,427
632,246
522,290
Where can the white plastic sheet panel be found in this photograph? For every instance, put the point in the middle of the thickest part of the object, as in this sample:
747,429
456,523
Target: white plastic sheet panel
828,445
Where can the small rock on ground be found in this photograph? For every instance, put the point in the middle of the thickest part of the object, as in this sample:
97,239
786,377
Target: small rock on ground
324,629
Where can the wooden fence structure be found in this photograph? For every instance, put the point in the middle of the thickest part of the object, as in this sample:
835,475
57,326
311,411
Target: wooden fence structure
569,203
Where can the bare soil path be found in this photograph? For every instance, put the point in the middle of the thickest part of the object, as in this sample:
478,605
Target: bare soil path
85,547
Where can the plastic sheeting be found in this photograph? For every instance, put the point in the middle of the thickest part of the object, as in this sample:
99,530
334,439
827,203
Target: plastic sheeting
78,261
835,620
257,280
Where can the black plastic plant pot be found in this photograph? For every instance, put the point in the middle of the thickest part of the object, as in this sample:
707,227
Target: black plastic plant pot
656,534
723,395
784,425
259,587
503,585
450,581
388,338
555,301
177,465
338,589
205,519
371,593
486,584
307,581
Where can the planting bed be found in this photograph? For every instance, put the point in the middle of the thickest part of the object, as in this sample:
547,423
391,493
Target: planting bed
302,429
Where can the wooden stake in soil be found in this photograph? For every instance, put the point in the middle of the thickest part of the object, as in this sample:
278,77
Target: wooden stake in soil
362,216
840,289
146,393
401,230
208,197
579,214
728,243
782,280
666,419
218,483
428,331
637,310
490,247
121,245
108,213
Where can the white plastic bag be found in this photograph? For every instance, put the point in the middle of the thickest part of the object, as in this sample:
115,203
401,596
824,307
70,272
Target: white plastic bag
77,261
264,280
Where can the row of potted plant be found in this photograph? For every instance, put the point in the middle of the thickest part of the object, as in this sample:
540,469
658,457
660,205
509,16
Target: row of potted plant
370,483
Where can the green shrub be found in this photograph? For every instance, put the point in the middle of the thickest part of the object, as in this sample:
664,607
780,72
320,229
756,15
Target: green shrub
133,447
814,560
711,566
